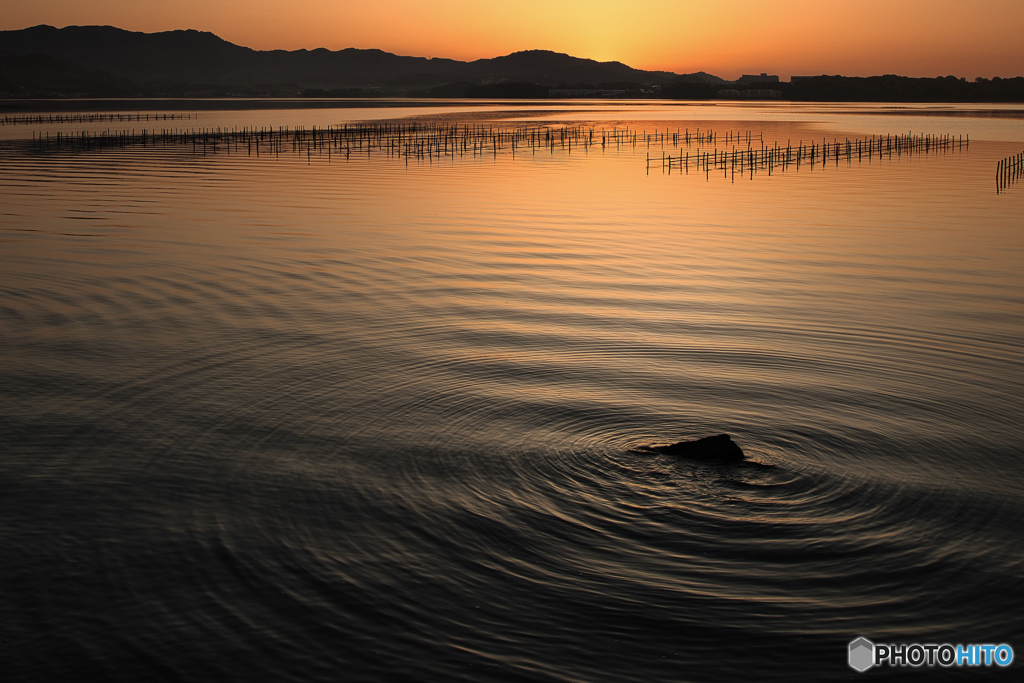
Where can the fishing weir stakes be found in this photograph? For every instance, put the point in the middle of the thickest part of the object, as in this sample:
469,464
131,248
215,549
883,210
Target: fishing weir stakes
707,151
778,158
1009,171
38,119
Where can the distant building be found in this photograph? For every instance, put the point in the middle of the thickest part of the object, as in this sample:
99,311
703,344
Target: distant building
749,94
763,78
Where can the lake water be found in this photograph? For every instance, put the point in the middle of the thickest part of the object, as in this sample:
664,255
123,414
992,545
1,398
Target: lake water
301,417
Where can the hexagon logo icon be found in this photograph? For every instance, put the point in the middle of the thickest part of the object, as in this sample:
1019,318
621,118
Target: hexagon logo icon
862,654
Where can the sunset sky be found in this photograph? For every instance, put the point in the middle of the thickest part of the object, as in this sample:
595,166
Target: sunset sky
726,38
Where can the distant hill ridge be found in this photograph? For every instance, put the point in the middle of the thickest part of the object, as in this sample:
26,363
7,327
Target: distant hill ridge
42,75
199,57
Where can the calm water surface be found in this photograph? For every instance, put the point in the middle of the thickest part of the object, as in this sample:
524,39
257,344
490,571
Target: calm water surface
305,419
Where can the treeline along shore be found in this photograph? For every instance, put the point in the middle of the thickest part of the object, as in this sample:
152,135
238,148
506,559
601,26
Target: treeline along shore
870,89
807,89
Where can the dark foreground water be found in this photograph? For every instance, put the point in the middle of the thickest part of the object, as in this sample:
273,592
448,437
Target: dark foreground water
294,419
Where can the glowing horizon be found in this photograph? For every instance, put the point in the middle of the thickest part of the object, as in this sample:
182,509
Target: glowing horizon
795,37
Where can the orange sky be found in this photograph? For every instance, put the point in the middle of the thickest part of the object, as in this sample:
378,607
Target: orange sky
723,37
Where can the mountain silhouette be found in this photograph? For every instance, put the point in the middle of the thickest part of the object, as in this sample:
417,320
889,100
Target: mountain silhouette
39,75
190,57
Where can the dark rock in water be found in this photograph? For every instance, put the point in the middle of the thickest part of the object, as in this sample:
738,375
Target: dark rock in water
720,448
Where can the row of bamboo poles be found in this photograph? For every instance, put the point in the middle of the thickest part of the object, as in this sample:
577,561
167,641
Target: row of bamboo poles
777,157
1009,171
742,151
39,119
406,140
